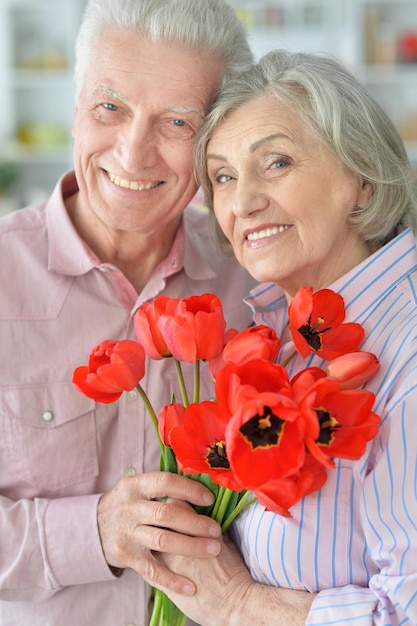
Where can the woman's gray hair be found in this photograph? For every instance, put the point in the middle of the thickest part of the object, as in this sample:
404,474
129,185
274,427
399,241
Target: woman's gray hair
337,110
208,25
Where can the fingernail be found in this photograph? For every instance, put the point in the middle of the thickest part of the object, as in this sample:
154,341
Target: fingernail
215,530
213,547
208,498
188,590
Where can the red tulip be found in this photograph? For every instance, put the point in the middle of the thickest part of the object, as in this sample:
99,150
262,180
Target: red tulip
199,444
170,416
316,324
345,420
235,384
265,439
113,367
281,494
255,342
196,330
147,329
353,370
303,381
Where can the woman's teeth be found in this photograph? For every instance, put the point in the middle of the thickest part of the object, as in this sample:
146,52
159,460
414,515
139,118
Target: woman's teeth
266,232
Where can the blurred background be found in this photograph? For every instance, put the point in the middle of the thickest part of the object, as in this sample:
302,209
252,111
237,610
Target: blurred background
376,39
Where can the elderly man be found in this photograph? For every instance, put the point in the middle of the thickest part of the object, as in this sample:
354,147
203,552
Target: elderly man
79,506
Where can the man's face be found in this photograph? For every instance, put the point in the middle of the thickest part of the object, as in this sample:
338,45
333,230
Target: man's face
134,127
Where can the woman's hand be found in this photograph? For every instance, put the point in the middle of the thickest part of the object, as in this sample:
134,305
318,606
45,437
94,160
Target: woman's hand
223,586
227,594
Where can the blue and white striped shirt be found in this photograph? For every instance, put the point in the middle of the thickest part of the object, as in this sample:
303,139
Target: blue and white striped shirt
355,540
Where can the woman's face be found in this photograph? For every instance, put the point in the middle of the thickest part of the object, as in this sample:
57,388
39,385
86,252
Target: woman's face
282,199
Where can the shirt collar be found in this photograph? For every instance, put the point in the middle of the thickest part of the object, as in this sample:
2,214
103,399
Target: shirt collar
361,288
200,259
69,254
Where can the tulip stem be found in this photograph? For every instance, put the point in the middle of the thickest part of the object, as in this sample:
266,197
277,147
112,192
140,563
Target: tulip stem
244,501
196,397
157,608
289,358
151,412
217,505
181,382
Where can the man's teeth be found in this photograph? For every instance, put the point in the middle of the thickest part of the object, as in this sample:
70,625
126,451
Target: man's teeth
127,184
266,232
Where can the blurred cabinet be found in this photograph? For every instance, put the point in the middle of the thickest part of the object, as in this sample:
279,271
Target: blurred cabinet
376,39
36,50
389,62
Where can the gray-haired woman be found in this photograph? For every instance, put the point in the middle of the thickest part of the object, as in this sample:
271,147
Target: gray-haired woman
311,185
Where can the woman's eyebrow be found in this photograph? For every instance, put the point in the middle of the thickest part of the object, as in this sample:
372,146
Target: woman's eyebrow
252,148
263,140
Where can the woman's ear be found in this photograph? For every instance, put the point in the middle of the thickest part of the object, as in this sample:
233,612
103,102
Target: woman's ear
365,193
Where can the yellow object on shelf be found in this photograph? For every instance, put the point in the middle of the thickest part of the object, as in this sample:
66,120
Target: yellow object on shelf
42,134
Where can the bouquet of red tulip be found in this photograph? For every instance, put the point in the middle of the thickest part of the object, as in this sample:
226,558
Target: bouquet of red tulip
262,436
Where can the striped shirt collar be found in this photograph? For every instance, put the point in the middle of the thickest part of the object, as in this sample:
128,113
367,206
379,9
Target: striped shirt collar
361,288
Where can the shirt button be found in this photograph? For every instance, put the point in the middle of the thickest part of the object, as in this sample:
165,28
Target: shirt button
47,416
133,394
130,471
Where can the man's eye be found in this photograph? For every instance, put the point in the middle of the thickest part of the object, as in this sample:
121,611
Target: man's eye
176,129
110,106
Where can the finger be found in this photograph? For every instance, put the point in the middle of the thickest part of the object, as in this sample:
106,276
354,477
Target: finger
176,516
164,540
160,577
164,484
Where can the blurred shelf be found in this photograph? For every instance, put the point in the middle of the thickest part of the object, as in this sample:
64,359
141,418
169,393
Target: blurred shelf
37,39
371,37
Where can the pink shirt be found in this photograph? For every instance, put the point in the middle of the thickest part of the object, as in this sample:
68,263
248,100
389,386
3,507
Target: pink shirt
58,449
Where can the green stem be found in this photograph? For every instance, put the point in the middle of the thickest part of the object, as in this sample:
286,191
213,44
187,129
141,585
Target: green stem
196,397
181,620
151,412
217,504
183,389
245,501
157,605
289,358
224,501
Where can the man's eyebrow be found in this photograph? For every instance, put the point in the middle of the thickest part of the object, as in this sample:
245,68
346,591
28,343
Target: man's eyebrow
106,91
184,109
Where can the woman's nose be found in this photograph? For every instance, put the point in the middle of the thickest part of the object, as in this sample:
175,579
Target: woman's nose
250,198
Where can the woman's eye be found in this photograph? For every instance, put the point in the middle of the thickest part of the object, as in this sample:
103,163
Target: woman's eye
178,123
278,163
223,178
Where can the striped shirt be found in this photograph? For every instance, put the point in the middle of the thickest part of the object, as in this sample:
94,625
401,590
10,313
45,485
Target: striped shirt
355,540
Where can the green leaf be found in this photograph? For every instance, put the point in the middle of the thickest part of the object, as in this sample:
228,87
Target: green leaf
214,488
168,462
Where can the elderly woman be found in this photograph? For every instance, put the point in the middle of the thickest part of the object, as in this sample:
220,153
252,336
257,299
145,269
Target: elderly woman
310,183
